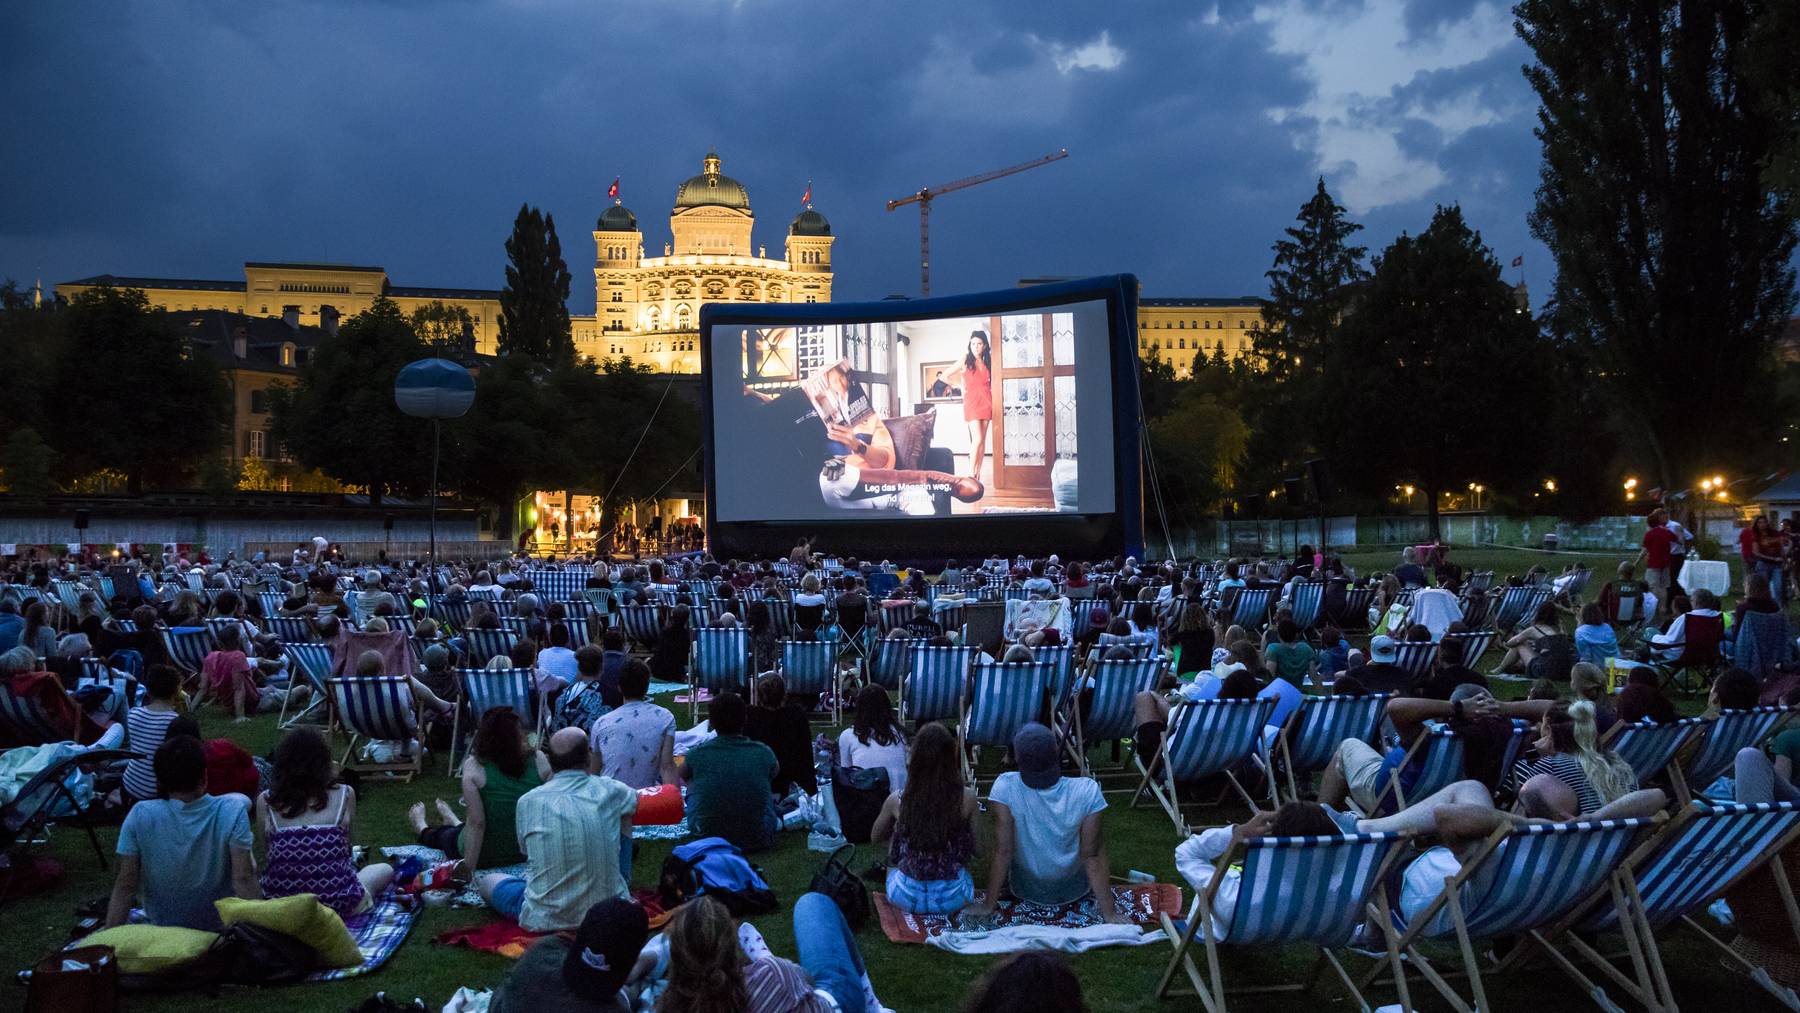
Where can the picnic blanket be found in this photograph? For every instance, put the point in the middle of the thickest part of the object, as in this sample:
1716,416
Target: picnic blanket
378,931
1143,903
505,938
658,687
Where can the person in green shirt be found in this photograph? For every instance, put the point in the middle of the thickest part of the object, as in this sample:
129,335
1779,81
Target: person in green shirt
501,766
1769,777
728,780
1290,657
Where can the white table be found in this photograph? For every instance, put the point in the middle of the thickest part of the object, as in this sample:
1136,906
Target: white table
1712,574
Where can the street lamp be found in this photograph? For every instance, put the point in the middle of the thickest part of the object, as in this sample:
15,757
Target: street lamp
434,389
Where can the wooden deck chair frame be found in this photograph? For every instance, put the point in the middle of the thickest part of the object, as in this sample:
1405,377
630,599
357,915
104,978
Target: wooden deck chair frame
311,663
1367,890
1180,720
1430,740
1759,723
1372,706
793,657
1025,685
1138,675
404,771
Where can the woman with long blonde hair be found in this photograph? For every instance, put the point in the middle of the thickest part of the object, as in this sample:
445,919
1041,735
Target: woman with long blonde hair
1571,775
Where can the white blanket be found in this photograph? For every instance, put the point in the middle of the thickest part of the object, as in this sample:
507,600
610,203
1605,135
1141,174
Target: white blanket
1045,937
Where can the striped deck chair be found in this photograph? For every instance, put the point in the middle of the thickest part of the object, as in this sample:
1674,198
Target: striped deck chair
1061,659
308,665
809,667
69,593
1474,645
1522,878
577,628
291,629
720,661
125,625
1522,732
1698,857
1356,608
1649,747
716,607
1112,710
1003,698
642,623
1203,738
950,617
1143,645
1309,890
1480,580
1251,610
1534,601
377,707
1307,597
519,625
1475,610
404,624
1415,658
271,602
937,683
24,721
1511,608
888,618
1730,732
1322,724
781,615
456,613
486,644
890,659
188,647
1439,752
483,689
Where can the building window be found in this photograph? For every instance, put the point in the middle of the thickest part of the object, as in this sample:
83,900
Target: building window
258,442
259,402
618,297
287,354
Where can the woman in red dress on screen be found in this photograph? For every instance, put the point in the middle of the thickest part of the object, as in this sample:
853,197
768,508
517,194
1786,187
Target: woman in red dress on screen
975,375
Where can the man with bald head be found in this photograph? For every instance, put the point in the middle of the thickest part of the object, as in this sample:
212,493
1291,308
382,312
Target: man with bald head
570,829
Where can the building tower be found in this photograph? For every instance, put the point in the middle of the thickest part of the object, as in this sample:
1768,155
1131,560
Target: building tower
712,214
809,242
618,252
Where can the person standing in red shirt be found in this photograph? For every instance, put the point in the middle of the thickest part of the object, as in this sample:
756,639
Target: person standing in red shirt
1658,541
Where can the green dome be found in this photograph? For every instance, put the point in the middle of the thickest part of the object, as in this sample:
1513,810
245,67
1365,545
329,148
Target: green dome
712,189
617,218
809,223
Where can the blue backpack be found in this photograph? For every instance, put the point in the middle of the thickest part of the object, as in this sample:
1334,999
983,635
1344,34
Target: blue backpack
715,867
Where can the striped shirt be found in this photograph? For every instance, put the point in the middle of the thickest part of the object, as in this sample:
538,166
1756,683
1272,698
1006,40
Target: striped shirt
1565,768
144,732
569,830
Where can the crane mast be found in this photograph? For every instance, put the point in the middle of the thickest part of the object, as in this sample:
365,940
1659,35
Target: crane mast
926,195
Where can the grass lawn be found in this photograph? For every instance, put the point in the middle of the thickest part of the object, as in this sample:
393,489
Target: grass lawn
908,978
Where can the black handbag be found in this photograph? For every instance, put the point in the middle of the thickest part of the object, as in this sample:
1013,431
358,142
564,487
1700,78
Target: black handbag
835,880
859,793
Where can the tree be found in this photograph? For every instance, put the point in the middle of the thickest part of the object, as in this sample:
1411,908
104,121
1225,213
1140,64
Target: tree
534,312
27,464
449,331
1198,446
497,451
1672,252
1440,375
1310,285
158,387
340,416
254,476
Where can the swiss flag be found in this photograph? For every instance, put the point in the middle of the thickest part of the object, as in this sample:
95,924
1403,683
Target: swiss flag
806,198
613,191
1518,261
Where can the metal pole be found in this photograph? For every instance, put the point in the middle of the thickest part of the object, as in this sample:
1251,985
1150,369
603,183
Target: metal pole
435,448
924,246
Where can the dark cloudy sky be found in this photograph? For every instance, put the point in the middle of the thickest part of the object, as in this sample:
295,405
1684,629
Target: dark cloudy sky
179,139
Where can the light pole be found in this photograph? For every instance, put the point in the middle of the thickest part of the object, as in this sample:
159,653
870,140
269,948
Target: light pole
434,389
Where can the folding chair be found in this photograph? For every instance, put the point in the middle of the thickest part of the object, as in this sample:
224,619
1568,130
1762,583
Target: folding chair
1142,645
1475,610
1304,603
1251,610
1511,609
271,602
1112,711
1701,638
1521,878
46,800
1416,658
1480,580
1440,764
1309,890
720,662
1474,645
1323,723
1730,732
24,720
781,615
1004,697
290,629
309,665
1699,857
456,613
483,689
1356,608
484,645
809,667
1203,738
188,647
642,623
377,707
1061,659
890,659
1650,748
937,683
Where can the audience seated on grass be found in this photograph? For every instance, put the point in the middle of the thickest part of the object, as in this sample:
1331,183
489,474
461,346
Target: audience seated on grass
500,768
706,962
586,973
304,819
146,726
1030,982
874,738
583,701
778,722
729,778
929,830
636,741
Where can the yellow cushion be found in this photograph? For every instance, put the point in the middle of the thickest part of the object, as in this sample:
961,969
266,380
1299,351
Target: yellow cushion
300,916
152,949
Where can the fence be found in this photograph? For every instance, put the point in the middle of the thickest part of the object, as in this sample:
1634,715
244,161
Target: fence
1238,537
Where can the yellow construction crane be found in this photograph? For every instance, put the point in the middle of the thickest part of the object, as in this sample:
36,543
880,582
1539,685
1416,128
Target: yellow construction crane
925,196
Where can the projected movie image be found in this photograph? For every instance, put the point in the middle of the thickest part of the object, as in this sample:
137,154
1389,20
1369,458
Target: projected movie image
963,416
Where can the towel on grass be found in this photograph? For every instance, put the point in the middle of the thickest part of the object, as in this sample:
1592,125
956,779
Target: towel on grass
1143,903
378,931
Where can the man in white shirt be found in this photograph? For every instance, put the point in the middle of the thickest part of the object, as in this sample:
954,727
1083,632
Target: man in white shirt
1668,645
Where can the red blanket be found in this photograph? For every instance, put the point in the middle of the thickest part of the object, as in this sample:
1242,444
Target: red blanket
1143,903
506,938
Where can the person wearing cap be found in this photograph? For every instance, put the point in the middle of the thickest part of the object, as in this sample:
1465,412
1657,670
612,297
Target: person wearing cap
1358,772
586,973
1381,674
1047,842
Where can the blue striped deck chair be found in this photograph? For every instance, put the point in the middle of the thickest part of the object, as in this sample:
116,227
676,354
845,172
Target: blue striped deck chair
456,613
936,684
1003,698
271,602
188,647
69,593
404,624
781,615
485,644
720,661
483,689
1306,890
810,667
891,617
1356,608
218,623
716,607
1649,748
1323,723
308,665
1700,855
1522,732
290,629
24,721
950,617
1511,608
1520,879
1730,732
1304,603
1439,755
1251,609
576,627
1112,710
1203,738
890,659
577,607
377,707
520,626
642,623
1480,580
1143,645
1415,658
1014,592
1061,659
1475,610
125,625
1474,645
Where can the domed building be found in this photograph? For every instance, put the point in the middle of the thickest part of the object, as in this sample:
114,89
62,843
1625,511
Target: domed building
648,308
